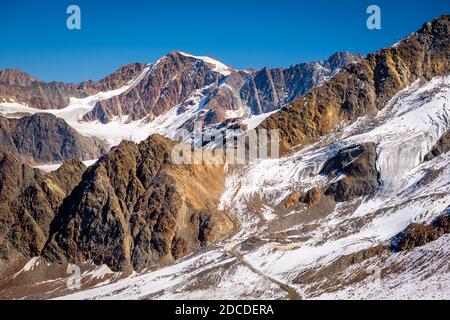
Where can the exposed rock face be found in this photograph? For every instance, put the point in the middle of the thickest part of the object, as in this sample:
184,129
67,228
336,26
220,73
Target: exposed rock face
364,87
16,77
136,209
441,147
42,95
17,86
6,140
194,88
117,79
311,197
15,176
44,138
339,265
270,89
133,209
171,80
419,234
28,203
358,165
355,174
176,76
291,200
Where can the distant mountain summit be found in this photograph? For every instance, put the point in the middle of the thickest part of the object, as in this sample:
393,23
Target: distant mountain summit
15,77
19,87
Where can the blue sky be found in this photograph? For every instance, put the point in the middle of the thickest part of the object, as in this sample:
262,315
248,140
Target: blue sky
240,33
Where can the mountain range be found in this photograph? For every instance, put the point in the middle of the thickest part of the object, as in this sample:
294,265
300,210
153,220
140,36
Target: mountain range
357,205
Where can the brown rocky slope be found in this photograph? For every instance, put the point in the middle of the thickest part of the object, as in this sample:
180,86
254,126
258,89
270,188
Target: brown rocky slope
28,203
364,87
135,209
18,86
44,138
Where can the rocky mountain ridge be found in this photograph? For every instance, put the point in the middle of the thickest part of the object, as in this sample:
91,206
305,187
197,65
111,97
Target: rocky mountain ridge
44,138
19,87
364,88
176,76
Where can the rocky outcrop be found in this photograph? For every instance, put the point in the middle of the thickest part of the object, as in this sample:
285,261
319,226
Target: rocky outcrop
309,198
270,89
44,138
419,234
14,177
441,147
116,79
291,200
28,203
171,80
357,166
17,86
135,209
352,172
175,77
364,87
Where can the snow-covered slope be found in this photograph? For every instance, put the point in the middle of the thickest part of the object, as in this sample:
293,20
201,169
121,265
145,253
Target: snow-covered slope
274,250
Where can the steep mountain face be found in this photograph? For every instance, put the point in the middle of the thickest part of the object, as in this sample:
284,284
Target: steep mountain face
115,80
169,82
271,89
135,209
225,91
441,147
28,203
358,165
19,87
41,95
365,87
44,138
6,140
14,176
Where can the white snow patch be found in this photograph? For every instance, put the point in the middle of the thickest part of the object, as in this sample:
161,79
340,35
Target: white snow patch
254,121
33,262
55,166
218,66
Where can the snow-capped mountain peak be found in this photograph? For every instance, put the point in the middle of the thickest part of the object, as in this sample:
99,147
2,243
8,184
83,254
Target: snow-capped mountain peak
218,66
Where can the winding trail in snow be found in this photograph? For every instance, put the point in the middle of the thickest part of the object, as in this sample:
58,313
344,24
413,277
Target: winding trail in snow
292,293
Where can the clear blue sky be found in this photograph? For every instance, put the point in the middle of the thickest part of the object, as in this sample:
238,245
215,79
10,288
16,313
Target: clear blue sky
242,34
